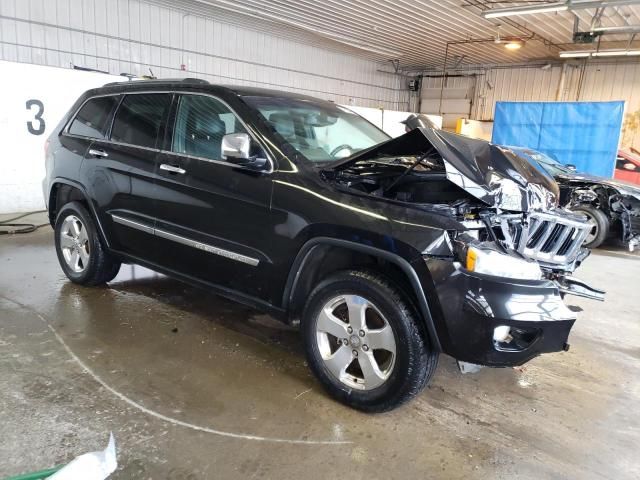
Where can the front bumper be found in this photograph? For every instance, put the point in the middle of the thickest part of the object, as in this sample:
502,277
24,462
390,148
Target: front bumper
473,305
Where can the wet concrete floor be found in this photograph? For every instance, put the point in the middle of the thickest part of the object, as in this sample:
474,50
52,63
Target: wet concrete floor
194,386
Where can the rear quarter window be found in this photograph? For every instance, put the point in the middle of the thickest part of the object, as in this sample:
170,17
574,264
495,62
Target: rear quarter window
93,118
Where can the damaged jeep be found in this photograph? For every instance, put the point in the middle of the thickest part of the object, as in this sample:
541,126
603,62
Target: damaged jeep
612,206
385,252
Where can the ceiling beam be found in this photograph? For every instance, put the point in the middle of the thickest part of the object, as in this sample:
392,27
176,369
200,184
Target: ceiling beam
624,29
554,7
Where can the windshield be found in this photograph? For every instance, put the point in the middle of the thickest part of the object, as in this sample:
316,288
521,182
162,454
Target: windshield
320,131
543,162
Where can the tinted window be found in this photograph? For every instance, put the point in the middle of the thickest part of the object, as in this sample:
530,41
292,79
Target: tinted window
92,119
200,125
139,118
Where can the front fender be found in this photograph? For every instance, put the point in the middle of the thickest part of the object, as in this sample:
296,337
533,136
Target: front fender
403,264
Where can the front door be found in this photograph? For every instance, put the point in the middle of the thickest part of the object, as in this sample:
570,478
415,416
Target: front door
214,221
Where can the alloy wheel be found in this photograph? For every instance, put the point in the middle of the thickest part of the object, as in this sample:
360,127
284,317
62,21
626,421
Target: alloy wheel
356,342
593,233
74,243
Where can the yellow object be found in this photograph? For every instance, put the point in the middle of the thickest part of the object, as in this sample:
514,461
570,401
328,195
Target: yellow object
471,259
459,125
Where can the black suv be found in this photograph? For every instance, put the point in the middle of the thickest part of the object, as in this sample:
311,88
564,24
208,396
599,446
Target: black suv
387,252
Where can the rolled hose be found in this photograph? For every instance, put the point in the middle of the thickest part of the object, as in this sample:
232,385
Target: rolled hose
8,227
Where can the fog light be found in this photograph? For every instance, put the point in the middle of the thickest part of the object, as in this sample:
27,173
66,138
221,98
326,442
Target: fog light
502,334
512,339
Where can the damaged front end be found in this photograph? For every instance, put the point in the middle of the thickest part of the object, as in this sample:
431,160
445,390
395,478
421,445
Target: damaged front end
511,261
500,199
627,207
619,202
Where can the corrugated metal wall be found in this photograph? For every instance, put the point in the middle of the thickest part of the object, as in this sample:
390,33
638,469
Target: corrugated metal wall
518,84
600,82
131,36
593,82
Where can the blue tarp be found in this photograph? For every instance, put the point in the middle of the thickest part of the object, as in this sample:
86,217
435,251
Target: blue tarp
584,134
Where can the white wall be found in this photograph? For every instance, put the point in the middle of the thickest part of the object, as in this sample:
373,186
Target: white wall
23,130
131,36
389,120
134,37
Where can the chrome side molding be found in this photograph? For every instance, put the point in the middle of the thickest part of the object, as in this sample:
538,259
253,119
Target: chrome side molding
238,257
132,224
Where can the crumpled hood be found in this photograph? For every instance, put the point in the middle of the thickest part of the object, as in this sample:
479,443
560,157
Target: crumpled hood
493,174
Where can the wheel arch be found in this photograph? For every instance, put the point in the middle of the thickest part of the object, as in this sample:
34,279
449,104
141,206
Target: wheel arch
324,255
64,191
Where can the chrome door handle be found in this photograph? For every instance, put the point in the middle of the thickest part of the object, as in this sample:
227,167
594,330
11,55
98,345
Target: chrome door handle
172,168
98,153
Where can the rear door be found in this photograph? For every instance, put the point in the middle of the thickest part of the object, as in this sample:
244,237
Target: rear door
120,170
91,122
214,217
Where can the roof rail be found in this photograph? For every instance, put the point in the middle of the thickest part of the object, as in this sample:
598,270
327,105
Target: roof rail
198,81
195,80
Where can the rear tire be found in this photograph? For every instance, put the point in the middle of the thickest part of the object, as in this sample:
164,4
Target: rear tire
382,359
599,225
81,254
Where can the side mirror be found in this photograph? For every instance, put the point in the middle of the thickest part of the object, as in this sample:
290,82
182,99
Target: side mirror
236,148
571,167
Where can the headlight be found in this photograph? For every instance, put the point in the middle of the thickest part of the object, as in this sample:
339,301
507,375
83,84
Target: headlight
492,262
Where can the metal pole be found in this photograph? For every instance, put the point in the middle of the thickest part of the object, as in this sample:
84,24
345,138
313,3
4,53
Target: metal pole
563,76
418,103
183,65
444,77
583,72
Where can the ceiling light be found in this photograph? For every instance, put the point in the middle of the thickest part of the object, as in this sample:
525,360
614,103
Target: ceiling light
596,53
524,10
575,54
513,45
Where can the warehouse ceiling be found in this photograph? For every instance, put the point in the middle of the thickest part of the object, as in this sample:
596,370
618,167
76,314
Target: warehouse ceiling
417,34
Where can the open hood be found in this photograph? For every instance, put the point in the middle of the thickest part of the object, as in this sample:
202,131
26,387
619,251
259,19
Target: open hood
493,174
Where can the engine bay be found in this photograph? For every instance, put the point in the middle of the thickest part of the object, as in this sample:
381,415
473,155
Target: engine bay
421,181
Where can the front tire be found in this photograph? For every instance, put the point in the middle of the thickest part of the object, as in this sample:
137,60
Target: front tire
81,254
363,342
599,225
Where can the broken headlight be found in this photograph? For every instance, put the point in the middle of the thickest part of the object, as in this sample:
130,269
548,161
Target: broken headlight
489,261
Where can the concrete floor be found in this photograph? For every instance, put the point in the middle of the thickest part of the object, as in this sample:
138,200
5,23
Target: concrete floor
195,387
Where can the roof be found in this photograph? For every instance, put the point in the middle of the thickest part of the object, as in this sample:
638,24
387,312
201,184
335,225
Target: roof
200,84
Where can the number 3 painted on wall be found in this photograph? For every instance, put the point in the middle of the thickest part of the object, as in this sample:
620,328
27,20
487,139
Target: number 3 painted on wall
38,116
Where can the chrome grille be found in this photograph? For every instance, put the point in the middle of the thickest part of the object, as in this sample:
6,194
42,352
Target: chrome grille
546,237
